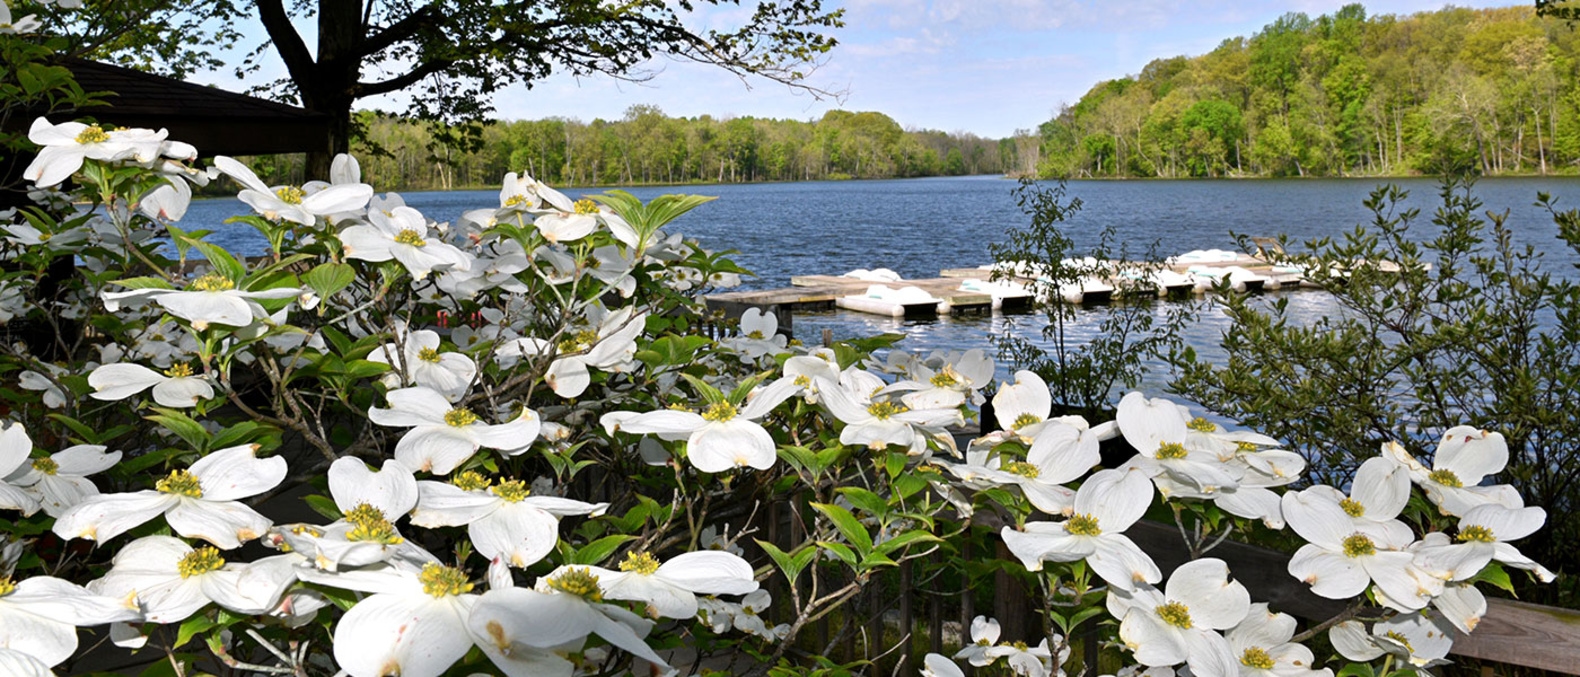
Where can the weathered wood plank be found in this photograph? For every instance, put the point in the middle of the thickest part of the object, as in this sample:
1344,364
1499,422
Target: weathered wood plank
1525,634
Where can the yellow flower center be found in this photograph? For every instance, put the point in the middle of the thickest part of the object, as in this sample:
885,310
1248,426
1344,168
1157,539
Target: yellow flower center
1256,657
428,355
470,480
512,491
1024,420
640,562
410,237
460,417
803,381
1446,478
930,470
1170,450
883,410
517,200
755,334
199,562
944,379
46,465
370,525
1396,636
290,195
585,206
579,582
1359,545
1023,469
1202,425
439,580
1244,447
579,341
6,586
1175,614
213,282
1477,533
181,483
719,412
1083,525
1020,646
1352,507
92,134
181,370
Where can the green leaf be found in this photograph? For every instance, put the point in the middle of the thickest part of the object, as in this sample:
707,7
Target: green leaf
145,283
1494,575
1356,670
865,500
599,550
183,426
223,262
840,550
193,626
848,526
323,505
905,539
328,278
791,563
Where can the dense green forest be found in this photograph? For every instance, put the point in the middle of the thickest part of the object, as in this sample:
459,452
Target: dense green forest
1342,94
647,146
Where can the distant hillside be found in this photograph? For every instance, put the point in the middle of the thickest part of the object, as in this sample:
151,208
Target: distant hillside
647,146
1341,94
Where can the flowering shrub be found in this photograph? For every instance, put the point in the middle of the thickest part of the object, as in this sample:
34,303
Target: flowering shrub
511,445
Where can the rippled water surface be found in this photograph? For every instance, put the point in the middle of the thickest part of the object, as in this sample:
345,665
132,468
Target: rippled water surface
920,226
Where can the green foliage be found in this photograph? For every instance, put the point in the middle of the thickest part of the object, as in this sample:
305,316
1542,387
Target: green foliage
1340,94
1083,374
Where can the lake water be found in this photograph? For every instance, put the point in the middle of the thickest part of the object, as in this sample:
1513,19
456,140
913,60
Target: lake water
919,226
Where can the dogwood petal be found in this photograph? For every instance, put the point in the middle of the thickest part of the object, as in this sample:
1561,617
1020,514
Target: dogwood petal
411,407
236,472
516,433
46,639
1471,454
521,617
406,635
393,489
735,443
20,664
1121,562
1063,453
568,377
103,517
1147,423
1462,605
1505,524
83,459
203,308
1117,498
519,533
1317,518
1382,487
664,599
343,197
1155,642
57,493
121,380
367,243
1329,574
435,448
226,524
709,572
182,392
1353,642
1204,587
1046,541
241,173
445,505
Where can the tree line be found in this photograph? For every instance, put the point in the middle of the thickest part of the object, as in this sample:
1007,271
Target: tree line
1489,90
648,147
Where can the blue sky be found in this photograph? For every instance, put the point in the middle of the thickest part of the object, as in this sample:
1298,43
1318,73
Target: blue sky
983,66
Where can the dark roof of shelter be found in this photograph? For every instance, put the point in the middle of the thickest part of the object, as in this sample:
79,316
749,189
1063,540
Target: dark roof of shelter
216,121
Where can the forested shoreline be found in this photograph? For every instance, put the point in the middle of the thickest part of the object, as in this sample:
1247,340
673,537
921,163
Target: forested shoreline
648,147
1346,94
1493,91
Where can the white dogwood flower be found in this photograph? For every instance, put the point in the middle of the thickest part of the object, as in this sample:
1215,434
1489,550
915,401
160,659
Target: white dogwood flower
984,634
1180,624
1484,535
178,387
211,298
172,580
875,421
413,623
567,606
417,353
1416,638
65,146
60,480
370,502
199,502
951,383
504,519
1339,562
1159,430
670,588
725,435
442,437
1106,505
1261,643
1465,456
291,203
402,234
